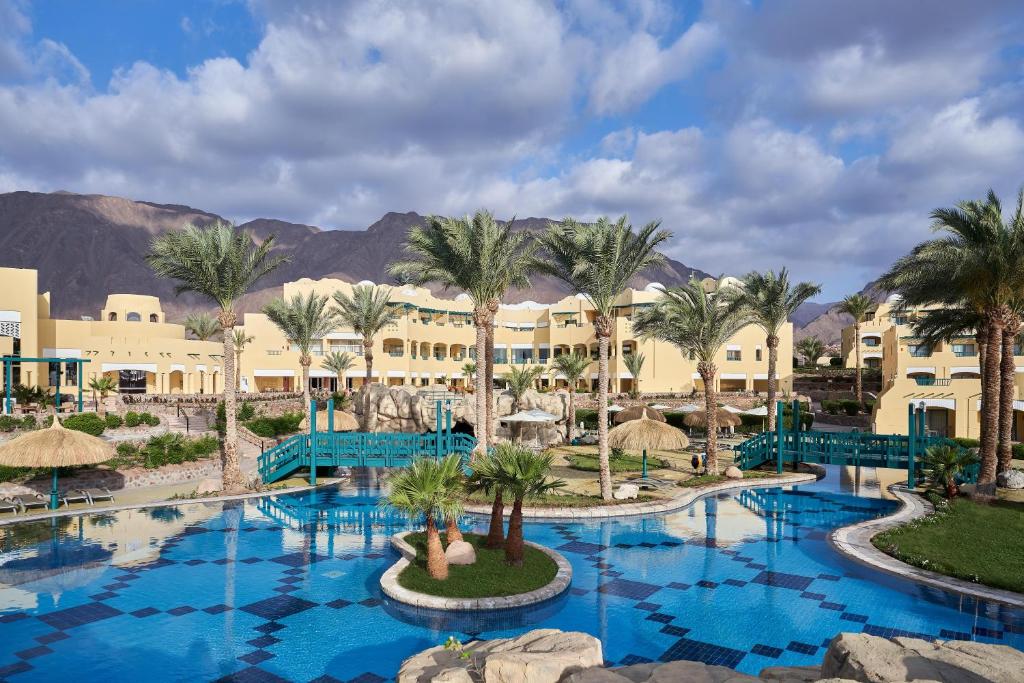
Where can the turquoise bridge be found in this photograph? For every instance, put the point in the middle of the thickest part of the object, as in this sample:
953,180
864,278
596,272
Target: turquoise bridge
359,449
860,449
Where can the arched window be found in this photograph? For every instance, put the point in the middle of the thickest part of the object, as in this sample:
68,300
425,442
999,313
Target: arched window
154,318
133,317
112,316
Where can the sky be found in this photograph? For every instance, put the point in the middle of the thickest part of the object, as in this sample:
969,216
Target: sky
811,134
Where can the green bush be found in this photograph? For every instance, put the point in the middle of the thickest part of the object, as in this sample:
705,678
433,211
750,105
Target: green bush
113,420
246,411
132,419
149,419
967,443
675,419
271,427
8,423
588,417
166,449
835,361
1018,451
850,406
90,423
29,422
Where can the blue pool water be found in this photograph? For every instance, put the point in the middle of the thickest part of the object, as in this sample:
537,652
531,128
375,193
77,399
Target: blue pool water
286,588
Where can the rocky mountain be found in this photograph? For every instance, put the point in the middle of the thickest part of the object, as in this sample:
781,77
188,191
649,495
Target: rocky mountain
828,324
87,246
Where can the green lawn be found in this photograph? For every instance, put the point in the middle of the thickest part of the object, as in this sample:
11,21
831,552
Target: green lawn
625,463
968,540
487,578
705,479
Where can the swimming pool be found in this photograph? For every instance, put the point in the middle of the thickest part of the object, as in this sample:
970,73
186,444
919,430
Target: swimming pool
285,588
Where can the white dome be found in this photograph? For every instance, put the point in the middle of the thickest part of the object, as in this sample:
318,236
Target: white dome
525,306
462,297
893,299
729,281
367,283
654,288
581,297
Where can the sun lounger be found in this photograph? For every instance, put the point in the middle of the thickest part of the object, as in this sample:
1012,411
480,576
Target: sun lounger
74,496
98,494
28,501
7,505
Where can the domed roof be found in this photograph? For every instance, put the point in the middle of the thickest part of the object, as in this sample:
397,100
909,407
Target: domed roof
463,297
366,283
654,288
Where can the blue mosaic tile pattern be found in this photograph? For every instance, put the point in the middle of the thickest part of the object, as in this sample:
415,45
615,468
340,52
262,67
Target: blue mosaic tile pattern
285,589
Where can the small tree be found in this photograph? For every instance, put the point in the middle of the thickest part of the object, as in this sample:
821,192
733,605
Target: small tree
367,312
202,325
634,363
857,306
946,464
339,363
102,385
486,477
811,348
572,366
523,473
424,489
520,379
240,340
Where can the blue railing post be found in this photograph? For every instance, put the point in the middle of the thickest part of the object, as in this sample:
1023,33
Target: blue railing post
448,428
796,434
779,435
79,366
922,430
437,430
911,427
312,442
8,369
330,416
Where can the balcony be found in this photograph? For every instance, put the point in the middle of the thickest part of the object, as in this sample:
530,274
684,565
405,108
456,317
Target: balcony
965,354
932,382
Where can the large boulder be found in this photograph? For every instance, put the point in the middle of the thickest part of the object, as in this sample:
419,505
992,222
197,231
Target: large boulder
671,672
871,659
1010,479
733,472
460,552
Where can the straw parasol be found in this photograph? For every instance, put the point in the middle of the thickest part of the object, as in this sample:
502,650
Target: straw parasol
343,422
55,447
635,412
643,434
698,418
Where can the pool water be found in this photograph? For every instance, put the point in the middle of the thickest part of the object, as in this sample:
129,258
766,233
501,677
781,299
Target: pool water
286,588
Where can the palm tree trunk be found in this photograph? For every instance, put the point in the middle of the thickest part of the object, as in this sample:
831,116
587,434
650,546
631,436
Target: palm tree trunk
990,384
452,531
368,357
305,362
492,307
437,563
514,544
480,316
231,472
1008,374
496,532
602,325
238,370
856,345
570,432
773,360
707,373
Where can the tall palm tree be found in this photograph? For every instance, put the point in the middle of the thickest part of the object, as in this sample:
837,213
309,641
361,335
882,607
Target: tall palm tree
976,263
856,306
303,319
811,348
202,325
699,324
484,259
339,363
598,261
240,340
102,385
221,263
572,366
520,379
770,301
424,489
635,363
486,477
367,312
522,473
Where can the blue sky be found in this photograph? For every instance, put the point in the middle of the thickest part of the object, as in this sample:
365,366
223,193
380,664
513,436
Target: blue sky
800,133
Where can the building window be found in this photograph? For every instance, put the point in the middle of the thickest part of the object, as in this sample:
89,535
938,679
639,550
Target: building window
133,317
965,350
154,318
71,373
53,374
733,354
112,317
500,355
757,353
1018,349
522,355
872,341
543,354
920,350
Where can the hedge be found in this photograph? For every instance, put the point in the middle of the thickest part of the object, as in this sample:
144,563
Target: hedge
165,449
271,427
90,423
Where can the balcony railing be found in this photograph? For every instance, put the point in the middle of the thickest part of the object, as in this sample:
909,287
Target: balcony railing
932,382
965,354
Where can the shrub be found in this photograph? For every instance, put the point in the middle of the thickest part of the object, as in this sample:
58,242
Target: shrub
1018,451
29,422
850,406
246,411
90,423
165,449
149,419
588,417
113,420
835,361
8,423
271,427
132,419
968,443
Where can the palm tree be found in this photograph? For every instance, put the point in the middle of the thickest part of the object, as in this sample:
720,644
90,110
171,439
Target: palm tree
572,366
102,385
202,325
469,371
339,363
811,348
221,263
857,306
486,477
634,363
455,479
240,340
303,320
367,312
977,263
484,259
424,488
522,473
699,325
770,301
598,261
520,379
945,465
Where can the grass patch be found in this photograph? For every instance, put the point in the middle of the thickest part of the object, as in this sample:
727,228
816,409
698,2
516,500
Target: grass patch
488,577
566,500
588,462
968,540
705,479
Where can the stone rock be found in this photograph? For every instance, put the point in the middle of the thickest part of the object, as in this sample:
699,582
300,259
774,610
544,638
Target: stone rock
791,674
1010,479
876,660
211,485
542,656
626,492
460,552
436,664
733,472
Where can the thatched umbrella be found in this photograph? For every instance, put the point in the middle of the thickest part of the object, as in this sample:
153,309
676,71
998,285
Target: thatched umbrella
343,422
699,418
55,447
635,412
644,433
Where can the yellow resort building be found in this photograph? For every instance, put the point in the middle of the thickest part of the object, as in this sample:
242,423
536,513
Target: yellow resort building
430,342
945,379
